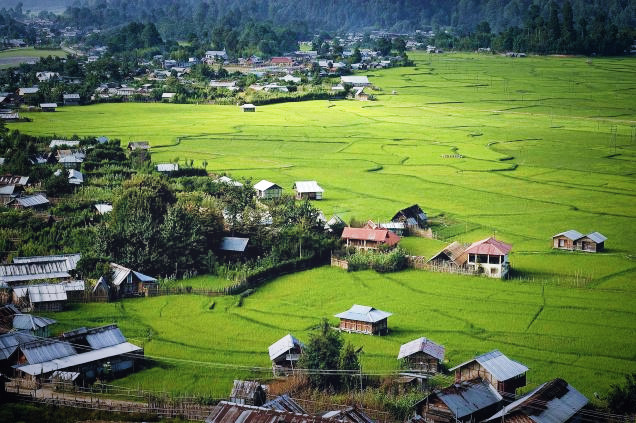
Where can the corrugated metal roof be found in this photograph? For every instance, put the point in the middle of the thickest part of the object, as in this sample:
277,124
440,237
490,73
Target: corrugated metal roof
229,181
41,293
48,105
120,273
571,234
228,412
71,259
28,90
9,342
283,345
43,351
264,185
32,200
244,388
597,237
284,403
77,359
466,398
349,415
65,376
489,246
61,143
33,271
232,243
76,285
7,190
307,186
422,345
362,313
553,402
455,252
105,336
30,322
355,79
13,180
497,364
104,208
167,167
367,234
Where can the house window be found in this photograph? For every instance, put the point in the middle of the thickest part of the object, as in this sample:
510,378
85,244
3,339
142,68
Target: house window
493,270
561,243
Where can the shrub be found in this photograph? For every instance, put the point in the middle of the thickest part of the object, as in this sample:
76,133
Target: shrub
382,262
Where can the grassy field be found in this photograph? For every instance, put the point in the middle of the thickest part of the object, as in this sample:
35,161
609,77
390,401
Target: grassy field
523,148
13,57
555,331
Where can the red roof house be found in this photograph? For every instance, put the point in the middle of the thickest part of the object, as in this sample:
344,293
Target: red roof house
282,61
368,238
489,256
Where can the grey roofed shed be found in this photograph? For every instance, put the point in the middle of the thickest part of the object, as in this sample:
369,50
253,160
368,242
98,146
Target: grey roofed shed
363,314
30,322
105,336
348,415
9,342
71,259
78,359
42,293
466,398
597,237
228,412
46,350
558,403
422,345
103,208
31,200
232,243
284,403
283,345
497,364
22,272
571,234
307,186
120,273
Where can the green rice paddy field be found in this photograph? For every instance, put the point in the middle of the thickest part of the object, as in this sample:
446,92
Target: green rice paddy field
525,148
15,56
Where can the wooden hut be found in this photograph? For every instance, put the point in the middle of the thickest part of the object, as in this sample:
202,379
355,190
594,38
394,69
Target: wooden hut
422,355
308,190
284,353
566,240
369,239
267,190
248,108
413,217
40,297
592,243
129,283
504,374
364,319
453,256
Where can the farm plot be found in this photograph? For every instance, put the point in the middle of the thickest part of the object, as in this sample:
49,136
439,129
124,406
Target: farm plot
583,335
14,57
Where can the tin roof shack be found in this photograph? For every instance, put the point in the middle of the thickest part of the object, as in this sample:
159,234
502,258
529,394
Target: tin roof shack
41,297
308,190
284,403
248,392
284,353
71,99
9,345
38,268
228,412
490,257
233,246
48,107
356,80
248,108
413,217
453,256
502,373
592,243
348,415
31,202
422,355
566,240
128,283
106,357
364,319
468,401
7,312
138,145
554,402
267,190
369,239
35,325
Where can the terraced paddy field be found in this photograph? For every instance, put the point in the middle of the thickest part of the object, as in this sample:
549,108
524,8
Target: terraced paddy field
15,56
524,148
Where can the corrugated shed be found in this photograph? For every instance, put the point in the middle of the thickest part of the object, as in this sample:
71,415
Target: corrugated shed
228,412
422,345
32,200
77,359
42,293
30,322
232,243
64,143
467,398
307,186
283,345
362,313
120,273
167,167
553,402
229,181
105,336
455,252
9,342
489,246
349,415
597,237
71,259
13,180
244,388
497,364
571,234
104,208
264,185
46,350
284,403
73,286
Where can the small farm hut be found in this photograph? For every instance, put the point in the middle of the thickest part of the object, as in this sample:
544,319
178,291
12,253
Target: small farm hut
364,319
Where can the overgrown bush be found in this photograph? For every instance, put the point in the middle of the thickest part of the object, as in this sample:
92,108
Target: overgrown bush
380,261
